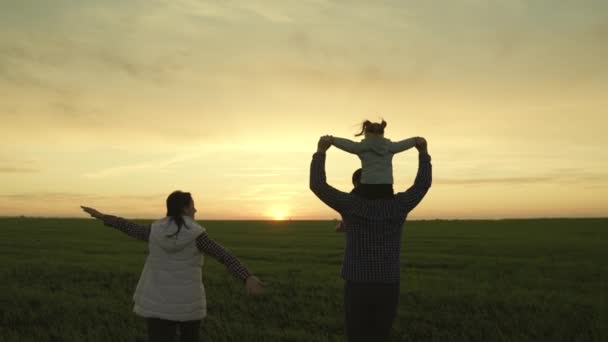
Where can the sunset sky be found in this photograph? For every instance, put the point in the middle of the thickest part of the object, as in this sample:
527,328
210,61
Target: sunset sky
114,104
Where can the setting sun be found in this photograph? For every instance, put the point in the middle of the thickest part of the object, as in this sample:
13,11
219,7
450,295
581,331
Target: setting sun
278,213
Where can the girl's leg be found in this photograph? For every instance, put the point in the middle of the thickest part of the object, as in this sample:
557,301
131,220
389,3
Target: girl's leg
189,331
161,330
375,191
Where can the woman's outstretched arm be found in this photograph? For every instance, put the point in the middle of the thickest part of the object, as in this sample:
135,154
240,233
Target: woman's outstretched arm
134,230
206,245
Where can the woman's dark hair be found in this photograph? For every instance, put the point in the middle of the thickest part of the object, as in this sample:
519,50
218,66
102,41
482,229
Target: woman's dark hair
176,203
372,127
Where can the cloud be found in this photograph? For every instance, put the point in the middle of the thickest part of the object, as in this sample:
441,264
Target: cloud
24,58
119,171
9,169
566,178
77,197
261,198
52,196
231,11
270,168
264,171
58,203
277,192
253,175
265,186
270,13
480,181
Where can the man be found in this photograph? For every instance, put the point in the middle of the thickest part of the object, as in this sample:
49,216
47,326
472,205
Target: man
373,245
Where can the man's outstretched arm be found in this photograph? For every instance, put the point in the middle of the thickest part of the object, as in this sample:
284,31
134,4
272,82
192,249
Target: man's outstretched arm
412,196
334,198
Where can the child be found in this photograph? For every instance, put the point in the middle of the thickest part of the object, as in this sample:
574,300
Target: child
376,154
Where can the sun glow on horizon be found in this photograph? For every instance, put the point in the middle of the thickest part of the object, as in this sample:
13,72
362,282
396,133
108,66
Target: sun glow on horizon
278,213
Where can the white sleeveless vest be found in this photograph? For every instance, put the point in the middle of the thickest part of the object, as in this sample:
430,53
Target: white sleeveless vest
170,286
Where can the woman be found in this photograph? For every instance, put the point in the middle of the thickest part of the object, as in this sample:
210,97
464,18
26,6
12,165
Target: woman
170,292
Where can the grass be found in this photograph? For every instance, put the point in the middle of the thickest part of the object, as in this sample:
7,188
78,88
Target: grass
507,280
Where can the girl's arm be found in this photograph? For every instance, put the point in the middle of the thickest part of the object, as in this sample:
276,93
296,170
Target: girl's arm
137,231
347,145
403,145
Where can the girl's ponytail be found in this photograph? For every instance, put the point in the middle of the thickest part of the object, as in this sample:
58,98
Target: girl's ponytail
364,127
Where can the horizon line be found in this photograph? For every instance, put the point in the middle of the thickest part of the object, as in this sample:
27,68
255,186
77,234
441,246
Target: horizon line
330,219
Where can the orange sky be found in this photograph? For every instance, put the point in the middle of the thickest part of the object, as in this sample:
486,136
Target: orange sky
114,104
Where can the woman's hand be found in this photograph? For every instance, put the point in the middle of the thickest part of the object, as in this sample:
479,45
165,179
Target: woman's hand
94,213
254,286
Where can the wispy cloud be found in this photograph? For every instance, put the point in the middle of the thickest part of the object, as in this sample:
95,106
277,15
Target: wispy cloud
269,168
49,196
9,169
266,186
24,61
232,10
504,180
253,175
268,12
73,196
553,179
132,168
264,171
262,198
270,192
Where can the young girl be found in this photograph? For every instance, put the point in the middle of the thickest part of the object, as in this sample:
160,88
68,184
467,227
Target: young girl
170,292
376,154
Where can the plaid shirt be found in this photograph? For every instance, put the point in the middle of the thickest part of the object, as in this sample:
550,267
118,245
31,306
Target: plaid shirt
373,227
203,243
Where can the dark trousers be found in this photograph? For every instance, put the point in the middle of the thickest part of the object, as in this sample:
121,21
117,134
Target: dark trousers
161,330
369,310
375,191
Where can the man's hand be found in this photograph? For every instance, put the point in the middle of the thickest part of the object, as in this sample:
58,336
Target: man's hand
421,145
254,286
94,213
324,143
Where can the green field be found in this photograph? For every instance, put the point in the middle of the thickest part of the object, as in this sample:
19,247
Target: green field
509,280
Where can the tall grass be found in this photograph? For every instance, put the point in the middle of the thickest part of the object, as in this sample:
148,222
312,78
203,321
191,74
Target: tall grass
509,280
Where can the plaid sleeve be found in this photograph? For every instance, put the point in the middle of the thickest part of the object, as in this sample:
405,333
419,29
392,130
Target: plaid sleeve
206,245
130,228
331,196
412,196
